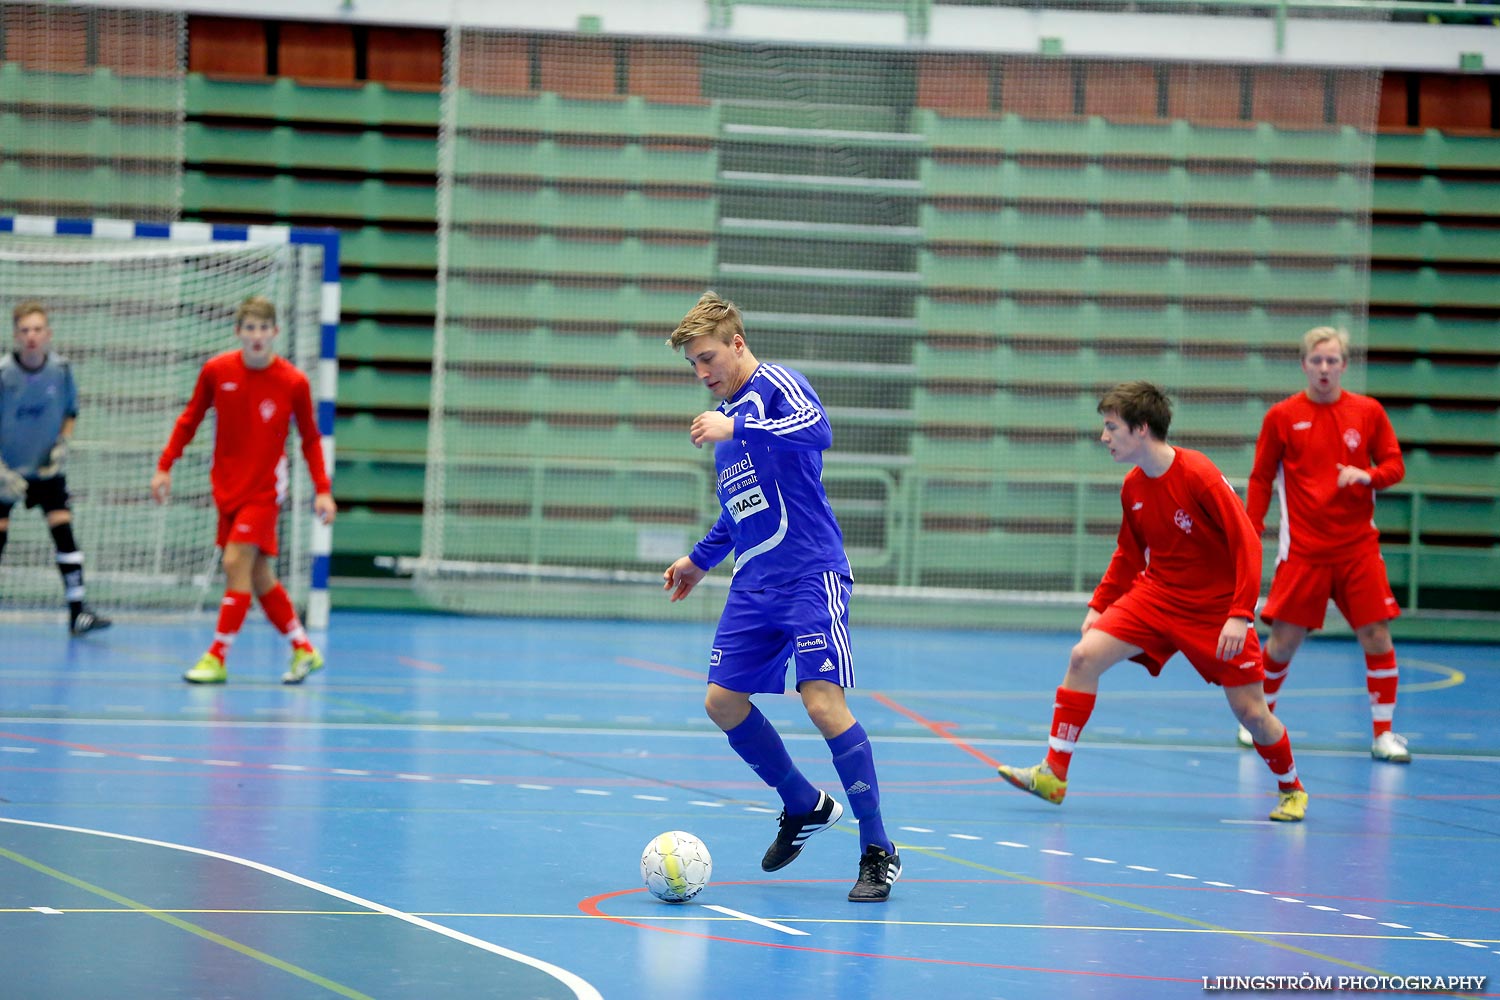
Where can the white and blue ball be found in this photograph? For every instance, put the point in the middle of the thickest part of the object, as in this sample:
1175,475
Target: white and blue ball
676,866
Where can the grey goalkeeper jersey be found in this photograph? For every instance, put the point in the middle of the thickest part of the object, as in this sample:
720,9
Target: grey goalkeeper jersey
33,406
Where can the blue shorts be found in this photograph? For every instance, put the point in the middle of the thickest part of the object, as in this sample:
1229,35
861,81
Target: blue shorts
805,621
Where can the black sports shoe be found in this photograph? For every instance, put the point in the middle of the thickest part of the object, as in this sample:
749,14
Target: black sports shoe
88,621
796,829
878,871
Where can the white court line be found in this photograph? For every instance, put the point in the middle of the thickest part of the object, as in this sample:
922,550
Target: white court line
783,928
580,986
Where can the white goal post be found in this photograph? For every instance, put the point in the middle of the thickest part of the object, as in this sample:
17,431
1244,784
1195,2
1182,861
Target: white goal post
136,308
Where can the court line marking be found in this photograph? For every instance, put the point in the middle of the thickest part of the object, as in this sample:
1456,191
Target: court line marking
184,925
581,988
773,925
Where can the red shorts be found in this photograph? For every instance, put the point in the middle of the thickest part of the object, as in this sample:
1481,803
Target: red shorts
252,524
1160,632
1358,587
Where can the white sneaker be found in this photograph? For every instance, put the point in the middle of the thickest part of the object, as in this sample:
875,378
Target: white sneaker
1243,738
1391,748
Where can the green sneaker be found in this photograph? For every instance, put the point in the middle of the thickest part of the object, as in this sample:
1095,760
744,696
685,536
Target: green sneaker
209,670
1037,779
304,662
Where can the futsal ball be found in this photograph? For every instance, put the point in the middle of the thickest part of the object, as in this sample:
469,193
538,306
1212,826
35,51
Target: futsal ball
675,866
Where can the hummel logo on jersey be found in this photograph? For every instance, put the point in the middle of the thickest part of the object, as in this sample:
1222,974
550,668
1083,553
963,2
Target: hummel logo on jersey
1302,425
827,667
1183,520
1138,505
230,386
857,787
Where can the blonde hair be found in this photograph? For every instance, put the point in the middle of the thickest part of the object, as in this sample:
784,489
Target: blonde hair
255,307
712,316
26,309
1312,338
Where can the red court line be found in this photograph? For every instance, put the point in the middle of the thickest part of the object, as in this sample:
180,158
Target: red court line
590,906
943,729
662,668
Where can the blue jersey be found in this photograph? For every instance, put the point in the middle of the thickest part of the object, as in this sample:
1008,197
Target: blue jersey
33,406
776,516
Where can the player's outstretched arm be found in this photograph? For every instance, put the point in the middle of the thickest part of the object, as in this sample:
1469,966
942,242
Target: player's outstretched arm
325,508
681,577
161,485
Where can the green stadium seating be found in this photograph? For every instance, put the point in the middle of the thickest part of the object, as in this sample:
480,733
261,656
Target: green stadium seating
1174,278
541,393
94,189
1428,287
1177,141
547,302
378,340
374,293
95,138
555,208
542,347
1425,378
498,438
375,388
1430,425
285,196
369,435
545,255
1175,232
549,159
284,99
1430,334
1174,187
1434,196
363,532
372,246
291,148
1434,150
1432,242
99,89
555,114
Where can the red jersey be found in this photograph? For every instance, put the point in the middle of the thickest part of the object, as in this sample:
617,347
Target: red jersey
253,408
1300,448
1184,536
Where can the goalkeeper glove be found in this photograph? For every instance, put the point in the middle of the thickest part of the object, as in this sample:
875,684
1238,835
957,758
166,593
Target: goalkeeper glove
53,465
12,485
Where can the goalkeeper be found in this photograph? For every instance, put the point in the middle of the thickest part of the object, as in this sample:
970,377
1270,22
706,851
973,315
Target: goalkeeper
38,408
254,394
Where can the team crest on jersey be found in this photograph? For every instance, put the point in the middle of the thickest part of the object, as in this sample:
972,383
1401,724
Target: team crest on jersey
267,410
1351,439
1183,520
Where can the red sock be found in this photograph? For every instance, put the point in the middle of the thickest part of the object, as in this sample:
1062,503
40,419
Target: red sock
1275,677
278,608
1070,713
231,617
1380,681
1278,757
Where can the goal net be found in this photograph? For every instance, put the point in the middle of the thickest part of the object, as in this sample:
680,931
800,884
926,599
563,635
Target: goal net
136,309
961,250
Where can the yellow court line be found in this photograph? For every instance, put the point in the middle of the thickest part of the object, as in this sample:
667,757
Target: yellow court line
180,924
1151,911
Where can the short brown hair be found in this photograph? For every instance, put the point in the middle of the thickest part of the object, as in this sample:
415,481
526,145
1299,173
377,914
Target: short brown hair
1312,338
712,316
26,309
1139,403
255,307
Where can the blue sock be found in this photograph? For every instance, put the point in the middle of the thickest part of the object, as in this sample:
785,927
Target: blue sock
759,745
855,763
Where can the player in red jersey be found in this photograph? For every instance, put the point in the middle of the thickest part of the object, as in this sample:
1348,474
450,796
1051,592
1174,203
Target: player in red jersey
1326,451
255,394
1184,577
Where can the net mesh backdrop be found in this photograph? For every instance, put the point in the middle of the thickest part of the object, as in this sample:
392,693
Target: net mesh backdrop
960,251
91,111
136,320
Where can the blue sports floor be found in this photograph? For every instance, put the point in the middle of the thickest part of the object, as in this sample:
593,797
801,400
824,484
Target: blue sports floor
456,808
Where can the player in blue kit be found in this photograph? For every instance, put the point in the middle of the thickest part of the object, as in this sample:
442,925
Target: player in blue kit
789,597
38,407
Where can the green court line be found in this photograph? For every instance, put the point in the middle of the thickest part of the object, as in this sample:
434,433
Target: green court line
180,924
